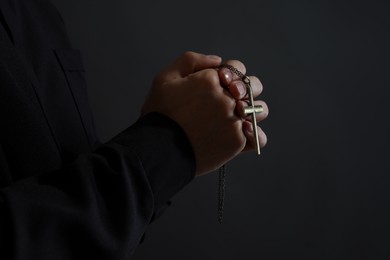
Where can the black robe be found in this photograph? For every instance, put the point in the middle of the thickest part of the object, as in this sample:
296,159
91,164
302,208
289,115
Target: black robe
64,195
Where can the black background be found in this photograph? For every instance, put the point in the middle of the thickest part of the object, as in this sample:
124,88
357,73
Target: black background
320,189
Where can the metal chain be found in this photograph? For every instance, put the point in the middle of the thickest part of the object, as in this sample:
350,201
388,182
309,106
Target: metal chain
221,192
222,170
241,75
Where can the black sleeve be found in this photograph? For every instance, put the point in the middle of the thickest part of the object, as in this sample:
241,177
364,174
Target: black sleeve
99,206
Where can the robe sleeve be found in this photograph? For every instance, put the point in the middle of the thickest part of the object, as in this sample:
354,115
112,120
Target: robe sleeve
98,206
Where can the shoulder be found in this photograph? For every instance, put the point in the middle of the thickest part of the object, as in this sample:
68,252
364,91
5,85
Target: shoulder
39,18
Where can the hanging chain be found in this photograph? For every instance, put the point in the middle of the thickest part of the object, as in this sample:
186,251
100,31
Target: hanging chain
221,192
222,170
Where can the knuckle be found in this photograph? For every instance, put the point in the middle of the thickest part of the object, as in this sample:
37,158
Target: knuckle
210,78
187,60
224,104
230,103
224,101
188,55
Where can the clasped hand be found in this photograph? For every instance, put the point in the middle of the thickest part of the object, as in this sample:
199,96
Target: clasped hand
207,103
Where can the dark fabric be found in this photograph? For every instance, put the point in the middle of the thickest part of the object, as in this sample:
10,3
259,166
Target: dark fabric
63,195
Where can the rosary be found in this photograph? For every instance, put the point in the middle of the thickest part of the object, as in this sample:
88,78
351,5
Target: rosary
249,110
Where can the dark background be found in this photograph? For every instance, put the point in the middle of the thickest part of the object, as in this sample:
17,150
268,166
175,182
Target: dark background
320,190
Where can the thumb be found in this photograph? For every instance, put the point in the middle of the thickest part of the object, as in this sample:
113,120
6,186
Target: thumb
186,64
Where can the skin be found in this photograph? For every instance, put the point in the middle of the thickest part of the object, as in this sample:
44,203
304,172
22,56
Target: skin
238,90
206,103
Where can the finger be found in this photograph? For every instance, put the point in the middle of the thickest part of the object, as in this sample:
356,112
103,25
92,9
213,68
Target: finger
186,64
207,78
238,88
249,134
259,116
238,65
225,77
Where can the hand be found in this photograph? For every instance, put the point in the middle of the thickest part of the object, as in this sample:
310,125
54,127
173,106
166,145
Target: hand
239,91
189,92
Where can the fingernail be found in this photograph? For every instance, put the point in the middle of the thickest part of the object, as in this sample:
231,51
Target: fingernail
214,57
227,75
241,88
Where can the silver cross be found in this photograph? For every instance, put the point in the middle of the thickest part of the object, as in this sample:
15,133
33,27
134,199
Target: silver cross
252,110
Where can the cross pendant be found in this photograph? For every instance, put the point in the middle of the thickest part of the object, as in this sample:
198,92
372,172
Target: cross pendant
252,110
